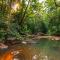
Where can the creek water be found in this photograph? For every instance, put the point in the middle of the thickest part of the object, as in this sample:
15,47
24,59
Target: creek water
44,49
48,49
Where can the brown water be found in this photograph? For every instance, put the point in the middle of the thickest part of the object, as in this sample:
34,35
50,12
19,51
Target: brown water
43,49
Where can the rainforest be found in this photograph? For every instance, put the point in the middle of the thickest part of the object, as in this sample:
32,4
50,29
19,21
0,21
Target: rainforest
29,29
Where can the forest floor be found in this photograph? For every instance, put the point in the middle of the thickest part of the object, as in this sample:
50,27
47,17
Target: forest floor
48,37
38,37
29,39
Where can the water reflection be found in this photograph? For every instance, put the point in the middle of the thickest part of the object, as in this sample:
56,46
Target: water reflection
43,49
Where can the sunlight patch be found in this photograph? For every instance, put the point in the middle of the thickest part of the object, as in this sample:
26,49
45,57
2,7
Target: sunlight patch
41,1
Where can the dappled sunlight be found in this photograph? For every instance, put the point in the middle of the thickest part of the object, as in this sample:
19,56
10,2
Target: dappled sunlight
41,1
57,2
15,7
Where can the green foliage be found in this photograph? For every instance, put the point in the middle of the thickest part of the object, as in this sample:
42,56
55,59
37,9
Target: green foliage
54,25
36,26
32,17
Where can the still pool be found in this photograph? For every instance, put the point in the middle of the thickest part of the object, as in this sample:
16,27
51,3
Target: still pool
43,49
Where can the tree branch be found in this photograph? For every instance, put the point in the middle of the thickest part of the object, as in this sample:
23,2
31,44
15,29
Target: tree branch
22,18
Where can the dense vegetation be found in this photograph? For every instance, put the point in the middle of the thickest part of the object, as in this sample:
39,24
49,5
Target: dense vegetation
21,17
